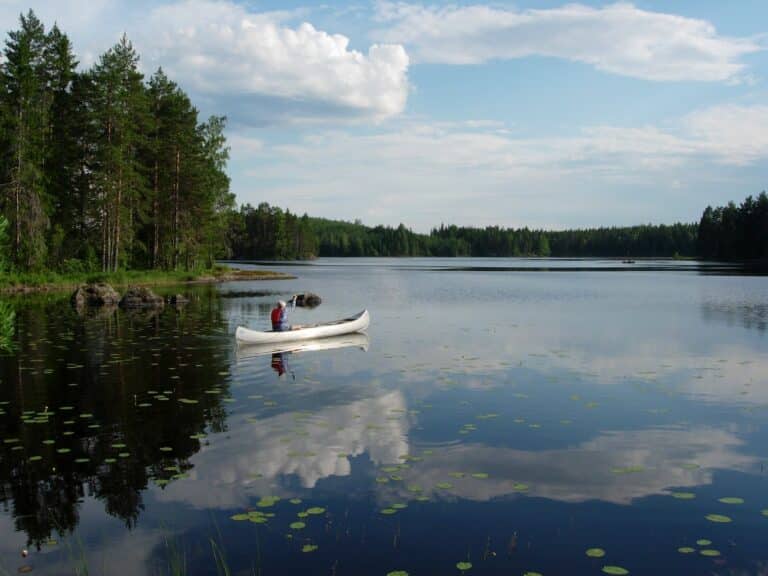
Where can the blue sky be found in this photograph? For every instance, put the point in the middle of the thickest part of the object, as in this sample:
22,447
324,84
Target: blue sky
541,114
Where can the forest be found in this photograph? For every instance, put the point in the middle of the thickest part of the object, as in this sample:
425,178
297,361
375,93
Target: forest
735,232
102,169
271,233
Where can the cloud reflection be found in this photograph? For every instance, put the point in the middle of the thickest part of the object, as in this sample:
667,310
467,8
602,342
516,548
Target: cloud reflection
264,454
616,467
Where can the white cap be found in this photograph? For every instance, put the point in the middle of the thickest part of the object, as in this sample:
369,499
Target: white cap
281,303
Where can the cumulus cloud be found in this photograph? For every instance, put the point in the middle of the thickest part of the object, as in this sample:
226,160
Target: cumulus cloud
619,38
222,48
253,66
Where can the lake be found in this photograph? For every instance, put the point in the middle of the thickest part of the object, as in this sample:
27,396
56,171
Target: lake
503,416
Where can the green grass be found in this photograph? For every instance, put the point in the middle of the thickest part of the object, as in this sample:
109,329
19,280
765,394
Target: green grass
50,280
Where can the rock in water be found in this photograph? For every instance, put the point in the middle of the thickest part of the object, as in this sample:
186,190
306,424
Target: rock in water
308,300
94,295
141,297
178,300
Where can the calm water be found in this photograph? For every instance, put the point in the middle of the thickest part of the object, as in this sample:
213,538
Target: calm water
510,414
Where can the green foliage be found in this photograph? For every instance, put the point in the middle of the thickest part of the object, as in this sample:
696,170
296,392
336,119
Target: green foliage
735,232
3,243
102,168
270,233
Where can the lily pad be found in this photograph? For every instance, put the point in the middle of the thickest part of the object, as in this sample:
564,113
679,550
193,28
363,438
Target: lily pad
703,542
295,500
309,548
686,550
479,475
297,525
731,500
683,495
315,510
397,573
444,485
389,511
464,566
709,552
616,570
595,552
718,518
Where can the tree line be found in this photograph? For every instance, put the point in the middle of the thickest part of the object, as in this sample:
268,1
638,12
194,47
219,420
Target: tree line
103,169
270,233
735,232
727,233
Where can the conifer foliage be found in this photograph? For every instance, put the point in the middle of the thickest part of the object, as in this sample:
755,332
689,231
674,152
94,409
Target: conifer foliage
101,169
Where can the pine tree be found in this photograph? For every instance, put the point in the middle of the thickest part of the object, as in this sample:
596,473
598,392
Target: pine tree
120,110
24,107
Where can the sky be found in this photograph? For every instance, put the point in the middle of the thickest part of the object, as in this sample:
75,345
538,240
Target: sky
541,114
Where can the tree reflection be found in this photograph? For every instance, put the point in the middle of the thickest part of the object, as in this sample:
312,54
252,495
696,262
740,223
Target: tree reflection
90,407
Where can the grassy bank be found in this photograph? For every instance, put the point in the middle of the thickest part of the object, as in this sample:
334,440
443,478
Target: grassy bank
51,281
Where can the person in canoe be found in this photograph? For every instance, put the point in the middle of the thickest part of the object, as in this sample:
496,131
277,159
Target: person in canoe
279,316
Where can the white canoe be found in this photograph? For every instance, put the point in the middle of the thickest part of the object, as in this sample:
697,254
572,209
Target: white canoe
357,323
354,340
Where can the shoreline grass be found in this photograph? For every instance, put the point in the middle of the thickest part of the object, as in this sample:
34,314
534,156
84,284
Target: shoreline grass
48,281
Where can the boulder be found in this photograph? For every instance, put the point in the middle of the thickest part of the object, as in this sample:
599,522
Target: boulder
141,297
308,300
99,294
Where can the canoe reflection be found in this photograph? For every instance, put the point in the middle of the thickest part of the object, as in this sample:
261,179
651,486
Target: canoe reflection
356,340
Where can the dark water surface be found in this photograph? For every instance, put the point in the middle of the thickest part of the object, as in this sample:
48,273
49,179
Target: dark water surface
509,414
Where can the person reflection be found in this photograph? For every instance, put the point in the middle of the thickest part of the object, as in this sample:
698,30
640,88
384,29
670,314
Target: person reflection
280,364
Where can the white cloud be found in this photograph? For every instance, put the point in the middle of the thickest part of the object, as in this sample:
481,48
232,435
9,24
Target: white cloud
251,66
618,38
222,48
736,134
456,173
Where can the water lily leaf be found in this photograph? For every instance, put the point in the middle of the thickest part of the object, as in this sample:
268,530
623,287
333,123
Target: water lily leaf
710,553
309,548
731,500
464,566
397,573
703,542
389,511
595,552
297,525
616,570
683,495
315,510
686,550
718,518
